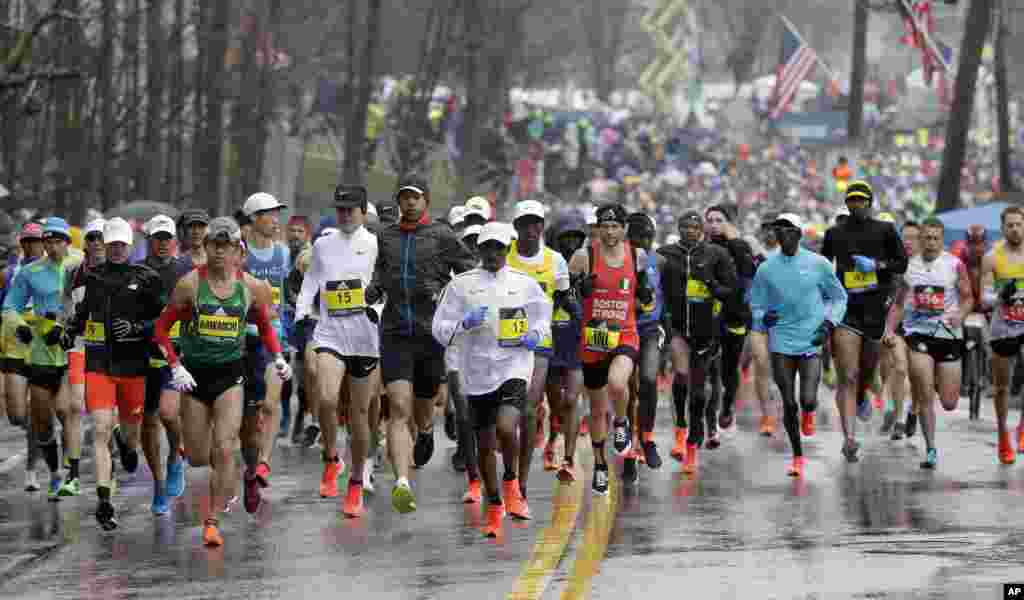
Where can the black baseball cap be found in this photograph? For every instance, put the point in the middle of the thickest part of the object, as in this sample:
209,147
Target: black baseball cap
415,184
350,196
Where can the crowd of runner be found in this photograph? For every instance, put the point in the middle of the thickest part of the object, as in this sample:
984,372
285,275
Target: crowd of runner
513,327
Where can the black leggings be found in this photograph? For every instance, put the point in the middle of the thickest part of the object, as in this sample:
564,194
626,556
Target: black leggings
647,382
693,385
467,441
785,369
732,350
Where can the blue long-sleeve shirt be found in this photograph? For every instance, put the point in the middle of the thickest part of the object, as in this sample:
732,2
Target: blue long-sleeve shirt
42,284
804,291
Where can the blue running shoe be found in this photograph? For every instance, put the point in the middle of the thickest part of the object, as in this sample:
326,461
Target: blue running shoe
176,478
53,495
931,459
161,505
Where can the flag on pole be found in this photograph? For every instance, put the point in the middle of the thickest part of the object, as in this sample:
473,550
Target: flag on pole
945,79
797,63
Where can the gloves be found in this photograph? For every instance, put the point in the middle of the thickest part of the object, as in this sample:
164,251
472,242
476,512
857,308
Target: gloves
823,332
24,333
586,285
645,295
474,318
54,336
863,264
181,379
67,341
284,370
1009,290
771,318
121,328
530,341
661,337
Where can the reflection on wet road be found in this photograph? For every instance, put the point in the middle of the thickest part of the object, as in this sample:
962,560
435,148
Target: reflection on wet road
882,528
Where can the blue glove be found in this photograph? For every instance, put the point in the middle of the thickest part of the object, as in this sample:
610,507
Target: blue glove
474,318
530,341
863,264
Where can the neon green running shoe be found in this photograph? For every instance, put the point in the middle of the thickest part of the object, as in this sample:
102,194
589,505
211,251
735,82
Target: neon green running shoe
71,487
402,499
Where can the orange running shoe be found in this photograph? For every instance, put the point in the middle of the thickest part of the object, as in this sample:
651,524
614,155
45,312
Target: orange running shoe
517,506
329,481
353,507
211,535
567,472
796,468
807,424
495,514
767,428
549,457
263,474
1020,438
691,459
679,450
1006,453
472,495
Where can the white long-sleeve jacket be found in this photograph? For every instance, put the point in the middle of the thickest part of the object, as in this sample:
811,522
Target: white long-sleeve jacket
488,354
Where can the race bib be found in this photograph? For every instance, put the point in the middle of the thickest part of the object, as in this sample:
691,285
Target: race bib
275,294
599,336
175,332
697,290
929,299
344,298
512,326
157,363
856,282
95,332
219,326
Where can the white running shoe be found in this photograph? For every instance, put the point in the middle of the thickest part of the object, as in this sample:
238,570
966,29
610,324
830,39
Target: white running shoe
31,481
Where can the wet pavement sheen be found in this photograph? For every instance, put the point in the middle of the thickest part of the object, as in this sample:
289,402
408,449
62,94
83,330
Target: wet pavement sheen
881,528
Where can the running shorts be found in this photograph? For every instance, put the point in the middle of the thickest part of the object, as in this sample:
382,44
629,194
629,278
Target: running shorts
1007,347
50,378
359,367
866,319
107,392
484,408
940,349
76,368
419,360
213,381
595,375
158,380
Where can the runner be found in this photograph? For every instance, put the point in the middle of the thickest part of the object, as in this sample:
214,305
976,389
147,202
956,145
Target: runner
192,225
1002,284
764,382
895,363
614,281
868,255
15,353
299,241
798,300
346,339
934,300
504,316
696,277
41,283
267,260
415,260
213,302
116,316
163,402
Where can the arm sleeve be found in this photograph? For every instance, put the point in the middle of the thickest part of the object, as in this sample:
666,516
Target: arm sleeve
310,284
743,256
260,314
833,293
448,316
725,276
538,311
162,329
895,255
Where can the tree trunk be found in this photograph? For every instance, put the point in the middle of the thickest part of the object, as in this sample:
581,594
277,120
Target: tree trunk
858,70
355,137
175,122
213,136
203,18
976,30
473,27
130,164
1006,183
105,183
157,58
254,108
68,148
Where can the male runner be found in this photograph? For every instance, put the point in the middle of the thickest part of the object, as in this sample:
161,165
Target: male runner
895,363
764,383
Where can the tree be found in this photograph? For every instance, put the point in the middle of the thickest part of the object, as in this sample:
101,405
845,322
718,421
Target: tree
604,25
362,83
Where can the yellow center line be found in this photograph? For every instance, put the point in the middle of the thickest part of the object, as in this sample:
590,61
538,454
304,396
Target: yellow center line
591,550
551,543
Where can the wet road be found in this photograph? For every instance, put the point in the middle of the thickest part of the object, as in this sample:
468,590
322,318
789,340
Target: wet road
882,528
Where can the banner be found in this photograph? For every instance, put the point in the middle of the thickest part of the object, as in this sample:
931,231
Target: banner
824,127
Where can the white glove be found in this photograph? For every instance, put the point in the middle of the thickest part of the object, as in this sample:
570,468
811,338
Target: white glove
284,370
182,380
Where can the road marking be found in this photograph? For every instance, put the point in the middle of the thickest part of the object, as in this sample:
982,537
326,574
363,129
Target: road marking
551,543
591,549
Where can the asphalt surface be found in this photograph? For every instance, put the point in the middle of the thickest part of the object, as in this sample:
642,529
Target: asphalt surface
880,528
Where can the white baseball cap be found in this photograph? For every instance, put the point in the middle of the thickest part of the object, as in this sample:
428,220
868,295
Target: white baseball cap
471,230
591,215
478,205
499,232
94,226
529,208
117,230
790,218
160,224
259,202
457,215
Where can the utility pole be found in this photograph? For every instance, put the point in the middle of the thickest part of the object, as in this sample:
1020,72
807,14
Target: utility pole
1006,183
858,70
979,18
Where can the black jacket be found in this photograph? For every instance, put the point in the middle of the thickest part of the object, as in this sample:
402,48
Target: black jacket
707,263
736,310
413,269
131,292
874,239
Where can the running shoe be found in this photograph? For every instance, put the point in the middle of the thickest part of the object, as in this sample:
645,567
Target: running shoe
1006,454
651,456
71,487
211,535
931,459
600,483
329,480
566,472
679,450
726,421
911,428
630,474
402,498
714,440
31,481
767,427
1020,439
176,478
353,507
263,474
53,495
864,410
807,424
897,432
369,478
691,458
105,516
161,505
622,438
251,493
888,422
850,448
517,506
312,434
796,468
424,448
473,494
549,457
495,515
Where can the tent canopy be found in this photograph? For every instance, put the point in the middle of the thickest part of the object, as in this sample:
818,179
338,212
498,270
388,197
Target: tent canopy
987,215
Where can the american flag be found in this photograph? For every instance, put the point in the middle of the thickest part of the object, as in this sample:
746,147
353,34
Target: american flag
798,62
